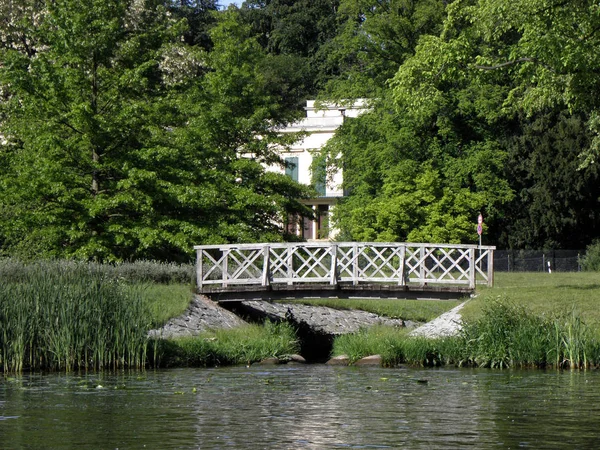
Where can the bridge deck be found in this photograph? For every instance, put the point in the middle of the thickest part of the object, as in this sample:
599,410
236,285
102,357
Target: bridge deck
341,270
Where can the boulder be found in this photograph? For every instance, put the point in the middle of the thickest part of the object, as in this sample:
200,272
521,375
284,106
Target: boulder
341,360
373,360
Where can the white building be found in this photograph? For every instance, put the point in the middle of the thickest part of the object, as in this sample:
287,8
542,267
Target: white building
321,124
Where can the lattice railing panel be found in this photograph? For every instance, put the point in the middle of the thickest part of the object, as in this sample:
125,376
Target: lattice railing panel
344,262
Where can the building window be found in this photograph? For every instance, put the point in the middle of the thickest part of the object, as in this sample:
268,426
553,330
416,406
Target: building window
291,167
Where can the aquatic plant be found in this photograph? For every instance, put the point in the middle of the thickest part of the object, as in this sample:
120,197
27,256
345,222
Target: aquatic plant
69,316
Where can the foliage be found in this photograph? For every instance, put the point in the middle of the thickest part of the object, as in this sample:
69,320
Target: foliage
406,184
124,143
543,158
59,317
591,259
294,34
244,345
374,39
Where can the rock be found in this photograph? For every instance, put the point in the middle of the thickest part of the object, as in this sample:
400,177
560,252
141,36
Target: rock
320,319
373,360
448,324
341,360
269,361
297,359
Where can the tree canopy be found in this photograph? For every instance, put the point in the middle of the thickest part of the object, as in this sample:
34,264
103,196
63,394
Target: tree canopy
137,128
125,142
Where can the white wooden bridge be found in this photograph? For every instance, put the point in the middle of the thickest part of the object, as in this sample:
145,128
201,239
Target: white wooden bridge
341,269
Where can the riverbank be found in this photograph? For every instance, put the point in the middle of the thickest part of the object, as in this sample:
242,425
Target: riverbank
71,316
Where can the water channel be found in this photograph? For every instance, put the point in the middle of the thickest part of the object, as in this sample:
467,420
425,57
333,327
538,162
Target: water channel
302,407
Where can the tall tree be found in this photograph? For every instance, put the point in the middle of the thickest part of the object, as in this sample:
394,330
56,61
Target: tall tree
374,39
123,142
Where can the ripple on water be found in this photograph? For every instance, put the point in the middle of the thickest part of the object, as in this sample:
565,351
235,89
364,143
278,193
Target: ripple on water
310,407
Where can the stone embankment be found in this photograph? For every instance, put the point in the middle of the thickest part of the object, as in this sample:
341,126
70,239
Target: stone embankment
448,324
316,325
202,315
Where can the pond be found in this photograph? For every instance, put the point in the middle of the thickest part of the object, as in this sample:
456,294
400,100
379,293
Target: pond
295,407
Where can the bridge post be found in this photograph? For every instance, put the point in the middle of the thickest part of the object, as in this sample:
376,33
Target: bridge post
402,281
422,264
266,281
225,266
290,264
472,268
490,268
333,279
355,264
199,269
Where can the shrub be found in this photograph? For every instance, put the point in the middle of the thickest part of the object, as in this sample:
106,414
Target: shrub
591,260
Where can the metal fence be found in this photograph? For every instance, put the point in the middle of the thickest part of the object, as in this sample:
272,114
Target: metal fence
538,260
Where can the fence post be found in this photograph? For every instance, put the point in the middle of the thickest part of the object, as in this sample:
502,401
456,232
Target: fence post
266,281
290,264
402,280
422,267
490,268
355,264
472,268
199,269
333,279
225,266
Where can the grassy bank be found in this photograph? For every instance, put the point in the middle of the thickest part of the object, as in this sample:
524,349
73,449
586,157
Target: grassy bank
65,315
526,320
244,345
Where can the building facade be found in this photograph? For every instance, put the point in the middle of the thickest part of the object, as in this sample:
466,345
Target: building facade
320,124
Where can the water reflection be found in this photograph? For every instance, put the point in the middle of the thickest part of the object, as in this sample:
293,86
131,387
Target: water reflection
310,407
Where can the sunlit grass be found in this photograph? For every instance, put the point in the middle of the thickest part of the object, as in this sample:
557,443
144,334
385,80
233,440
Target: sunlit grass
166,301
243,345
543,294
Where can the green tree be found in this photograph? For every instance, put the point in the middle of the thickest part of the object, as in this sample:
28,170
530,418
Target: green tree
293,32
123,142
374,39
408,183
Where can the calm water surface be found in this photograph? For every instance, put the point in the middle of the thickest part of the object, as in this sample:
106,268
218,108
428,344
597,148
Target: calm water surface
302,407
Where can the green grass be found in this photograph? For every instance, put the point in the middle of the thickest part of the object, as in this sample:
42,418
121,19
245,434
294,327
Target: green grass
525,320
415,310
165,301
58,316
243,345
543,294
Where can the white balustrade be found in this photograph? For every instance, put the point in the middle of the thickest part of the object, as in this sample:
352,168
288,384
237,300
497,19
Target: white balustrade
353,263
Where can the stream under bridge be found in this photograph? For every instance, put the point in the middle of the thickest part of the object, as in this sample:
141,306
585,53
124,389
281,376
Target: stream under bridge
276,271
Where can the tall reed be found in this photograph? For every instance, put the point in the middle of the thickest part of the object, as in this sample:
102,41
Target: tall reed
68,316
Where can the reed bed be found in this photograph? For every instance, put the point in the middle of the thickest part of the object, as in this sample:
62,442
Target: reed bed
243,345
69,316
15,270
505,335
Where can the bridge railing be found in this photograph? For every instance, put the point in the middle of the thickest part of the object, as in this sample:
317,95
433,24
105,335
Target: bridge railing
354,263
